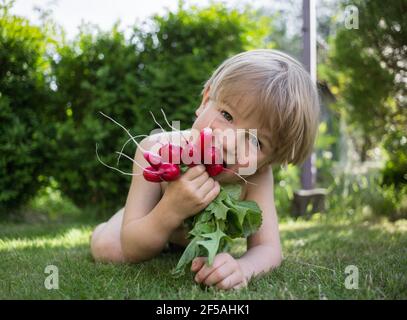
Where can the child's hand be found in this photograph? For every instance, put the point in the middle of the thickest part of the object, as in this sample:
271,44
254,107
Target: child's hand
191,193
226,272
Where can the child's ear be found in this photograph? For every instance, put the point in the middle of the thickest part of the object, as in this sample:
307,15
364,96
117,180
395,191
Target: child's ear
205,99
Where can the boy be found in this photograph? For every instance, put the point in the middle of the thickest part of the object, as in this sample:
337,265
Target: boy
262,89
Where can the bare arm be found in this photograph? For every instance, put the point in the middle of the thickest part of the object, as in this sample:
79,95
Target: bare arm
145,230
264,248
149,219
144,238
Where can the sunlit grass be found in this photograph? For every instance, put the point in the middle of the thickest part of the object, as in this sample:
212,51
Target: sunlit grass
71,238
316,255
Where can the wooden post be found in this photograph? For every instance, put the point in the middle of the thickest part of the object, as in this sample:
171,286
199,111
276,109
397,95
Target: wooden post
309,195
308,170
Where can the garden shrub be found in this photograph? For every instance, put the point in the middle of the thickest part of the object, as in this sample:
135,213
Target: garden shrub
25,132
163,67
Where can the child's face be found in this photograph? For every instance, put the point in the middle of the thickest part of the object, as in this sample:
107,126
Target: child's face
224,119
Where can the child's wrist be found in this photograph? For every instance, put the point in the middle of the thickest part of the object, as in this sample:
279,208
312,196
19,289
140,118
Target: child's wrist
166,219
246,269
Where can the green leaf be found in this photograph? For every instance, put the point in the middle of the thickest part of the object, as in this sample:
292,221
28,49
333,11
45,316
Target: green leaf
234,227
212,243
252,222
233,191
203,216
203,228
220,211
189,254
213,229
251,214
238,211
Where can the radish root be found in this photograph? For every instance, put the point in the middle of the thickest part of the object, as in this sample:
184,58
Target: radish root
130,139
133,138
132,160
238,175
156,122
113,168
173,128
127,131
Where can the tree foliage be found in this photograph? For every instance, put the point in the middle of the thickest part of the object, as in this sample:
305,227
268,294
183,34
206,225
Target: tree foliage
367,69
162,66
25,130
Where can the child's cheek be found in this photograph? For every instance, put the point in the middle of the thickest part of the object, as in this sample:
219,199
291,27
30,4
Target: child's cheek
248,165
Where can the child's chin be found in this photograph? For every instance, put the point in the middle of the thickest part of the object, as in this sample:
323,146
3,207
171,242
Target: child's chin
226,177
221,177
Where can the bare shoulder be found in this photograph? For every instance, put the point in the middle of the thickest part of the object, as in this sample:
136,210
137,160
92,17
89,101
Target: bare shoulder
154,141
143,195
261,184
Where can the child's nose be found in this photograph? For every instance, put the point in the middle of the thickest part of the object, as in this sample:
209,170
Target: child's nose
217,134
216,137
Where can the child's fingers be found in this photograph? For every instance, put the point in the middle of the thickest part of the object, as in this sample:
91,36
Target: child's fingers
211,195
206,187
240,285
230,282
219,274
207,270
197,263
194,172
200,180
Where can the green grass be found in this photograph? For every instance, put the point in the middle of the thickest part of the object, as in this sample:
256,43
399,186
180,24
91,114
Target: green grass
316,255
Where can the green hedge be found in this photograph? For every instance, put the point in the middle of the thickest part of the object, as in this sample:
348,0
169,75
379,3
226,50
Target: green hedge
25,103
164,67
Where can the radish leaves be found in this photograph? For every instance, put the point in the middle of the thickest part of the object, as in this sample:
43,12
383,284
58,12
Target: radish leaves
212,230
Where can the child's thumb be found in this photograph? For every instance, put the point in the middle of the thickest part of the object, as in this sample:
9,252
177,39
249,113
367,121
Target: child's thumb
197,264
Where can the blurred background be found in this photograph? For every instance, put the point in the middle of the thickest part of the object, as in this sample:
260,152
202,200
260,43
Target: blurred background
63,61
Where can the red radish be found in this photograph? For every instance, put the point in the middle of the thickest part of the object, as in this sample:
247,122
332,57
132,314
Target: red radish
214,169
171,153
212,156
154,160
205,140
190,155
215,165
169,171
152,175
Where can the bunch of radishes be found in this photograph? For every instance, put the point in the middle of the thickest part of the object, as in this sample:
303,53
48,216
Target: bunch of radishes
166,165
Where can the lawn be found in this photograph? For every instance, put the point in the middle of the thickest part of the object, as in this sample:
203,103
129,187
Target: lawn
316,255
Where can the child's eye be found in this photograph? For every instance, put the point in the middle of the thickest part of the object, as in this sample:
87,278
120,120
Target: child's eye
255,141
227,115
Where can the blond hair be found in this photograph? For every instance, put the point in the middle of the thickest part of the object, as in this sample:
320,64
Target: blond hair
281,89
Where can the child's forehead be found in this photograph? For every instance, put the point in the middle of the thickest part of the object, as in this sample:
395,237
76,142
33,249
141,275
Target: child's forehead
251,115
247,107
